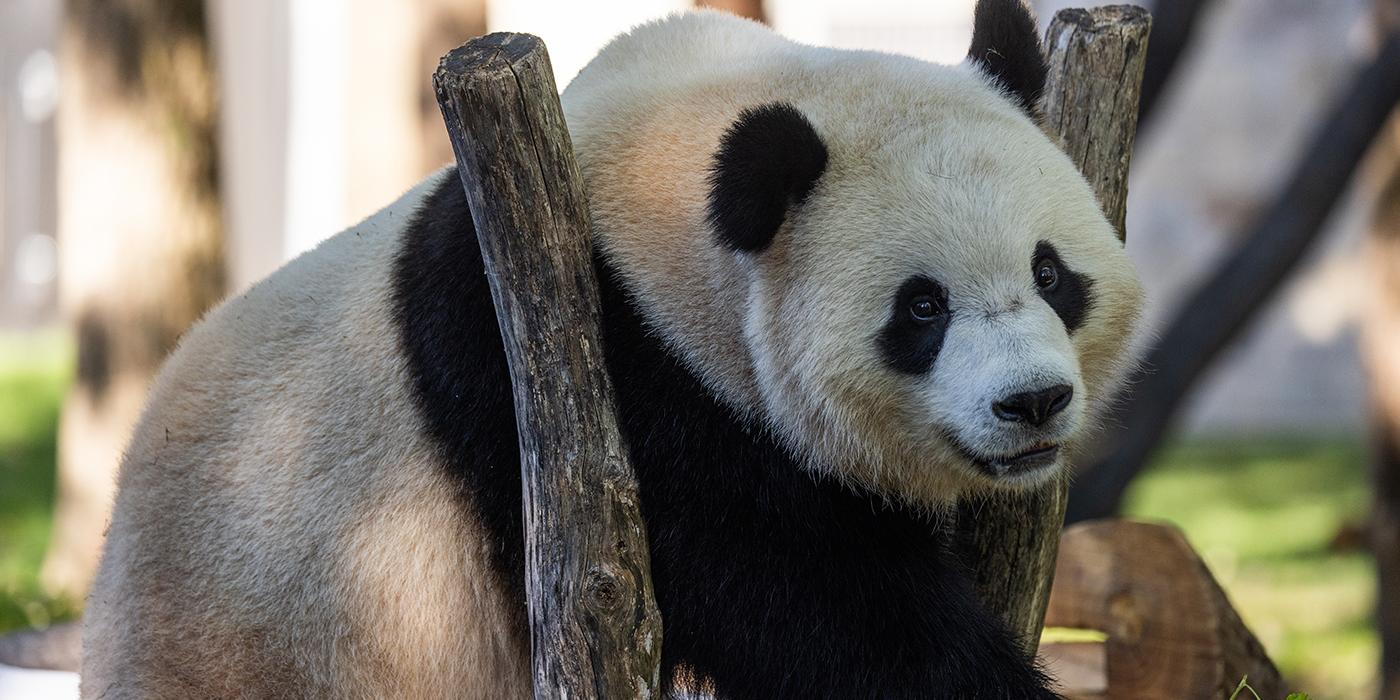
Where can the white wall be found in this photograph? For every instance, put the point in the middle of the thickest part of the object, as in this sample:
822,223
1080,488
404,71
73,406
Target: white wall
28,97
252,51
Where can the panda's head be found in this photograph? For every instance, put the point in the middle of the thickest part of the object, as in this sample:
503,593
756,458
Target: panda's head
886,261
936,306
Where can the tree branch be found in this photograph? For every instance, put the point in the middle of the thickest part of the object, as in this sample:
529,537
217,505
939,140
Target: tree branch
595,630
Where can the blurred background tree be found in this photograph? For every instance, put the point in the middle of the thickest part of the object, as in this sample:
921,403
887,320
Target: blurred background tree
143,252
143,239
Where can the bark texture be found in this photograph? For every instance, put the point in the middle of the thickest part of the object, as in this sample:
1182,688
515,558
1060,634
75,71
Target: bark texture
595,630
140,237
1091,107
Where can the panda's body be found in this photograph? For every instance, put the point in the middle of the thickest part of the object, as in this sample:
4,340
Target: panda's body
323,496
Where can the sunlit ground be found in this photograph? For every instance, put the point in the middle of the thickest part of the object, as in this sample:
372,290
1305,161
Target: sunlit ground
1263,512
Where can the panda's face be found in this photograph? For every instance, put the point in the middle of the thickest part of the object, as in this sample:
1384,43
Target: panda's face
940,313
885,261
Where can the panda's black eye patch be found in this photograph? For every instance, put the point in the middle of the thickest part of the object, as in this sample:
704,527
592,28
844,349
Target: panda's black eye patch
913,334
1069,293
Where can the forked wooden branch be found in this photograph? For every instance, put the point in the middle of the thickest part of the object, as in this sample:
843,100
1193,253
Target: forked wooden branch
595,631
1091,107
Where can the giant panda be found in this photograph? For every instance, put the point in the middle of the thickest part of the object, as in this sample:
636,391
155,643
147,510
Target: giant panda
841,290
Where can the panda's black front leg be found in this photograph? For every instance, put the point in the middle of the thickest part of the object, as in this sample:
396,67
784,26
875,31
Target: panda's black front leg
827,595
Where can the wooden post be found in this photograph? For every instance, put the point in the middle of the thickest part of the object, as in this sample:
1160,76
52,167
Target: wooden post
1091,107
595,631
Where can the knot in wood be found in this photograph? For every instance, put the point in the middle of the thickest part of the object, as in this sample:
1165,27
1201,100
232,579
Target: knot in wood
1125,617
603,590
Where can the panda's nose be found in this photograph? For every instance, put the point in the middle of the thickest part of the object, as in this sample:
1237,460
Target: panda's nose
1034,407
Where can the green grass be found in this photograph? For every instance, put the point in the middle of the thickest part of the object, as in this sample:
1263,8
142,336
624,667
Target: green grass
33,374
1264,513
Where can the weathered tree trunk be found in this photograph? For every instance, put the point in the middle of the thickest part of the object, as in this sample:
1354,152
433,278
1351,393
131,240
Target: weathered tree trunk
141,242
1222,307
1380,343
1091,107
595,630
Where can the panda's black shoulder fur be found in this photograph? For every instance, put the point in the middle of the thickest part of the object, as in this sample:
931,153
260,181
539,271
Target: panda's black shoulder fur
771,582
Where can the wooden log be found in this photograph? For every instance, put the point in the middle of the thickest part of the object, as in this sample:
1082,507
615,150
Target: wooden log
1079,669
595,631
1097,59
1090,106
1171,631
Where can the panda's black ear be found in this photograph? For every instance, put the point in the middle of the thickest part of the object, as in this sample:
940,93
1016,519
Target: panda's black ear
768,160
1006,46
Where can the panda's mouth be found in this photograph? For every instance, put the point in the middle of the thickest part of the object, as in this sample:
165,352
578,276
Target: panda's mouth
1022,462
1037,457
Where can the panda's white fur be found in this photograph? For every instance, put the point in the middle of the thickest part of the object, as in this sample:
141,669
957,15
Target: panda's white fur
284,525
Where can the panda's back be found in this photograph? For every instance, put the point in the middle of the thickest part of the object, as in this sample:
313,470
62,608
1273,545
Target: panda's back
281,494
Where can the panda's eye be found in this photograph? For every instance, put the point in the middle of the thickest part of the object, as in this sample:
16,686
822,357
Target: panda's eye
924,308
1047,274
